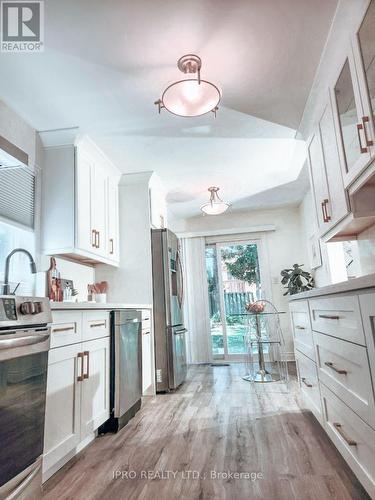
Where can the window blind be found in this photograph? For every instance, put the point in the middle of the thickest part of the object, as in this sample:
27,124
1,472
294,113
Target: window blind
17,195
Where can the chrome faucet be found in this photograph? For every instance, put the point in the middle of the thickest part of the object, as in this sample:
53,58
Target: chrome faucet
6,286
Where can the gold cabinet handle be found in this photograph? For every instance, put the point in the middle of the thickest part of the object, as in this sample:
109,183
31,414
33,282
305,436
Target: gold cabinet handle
298,327
328,316
359,128
65,329
80,356
111,251
346,438
333,367
87,374
305,382
93,238
366,119
98,325
328,217
323,212
98,244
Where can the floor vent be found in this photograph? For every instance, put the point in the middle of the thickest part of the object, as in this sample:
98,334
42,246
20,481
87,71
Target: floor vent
220,364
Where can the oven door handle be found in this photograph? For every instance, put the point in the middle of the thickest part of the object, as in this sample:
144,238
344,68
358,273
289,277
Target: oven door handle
22,341
21,487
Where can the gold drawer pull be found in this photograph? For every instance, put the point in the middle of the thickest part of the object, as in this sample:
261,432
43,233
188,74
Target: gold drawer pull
361,147
332,366
306,383
146,333
98,325
300,327
346,438
328,316
80,378
64,329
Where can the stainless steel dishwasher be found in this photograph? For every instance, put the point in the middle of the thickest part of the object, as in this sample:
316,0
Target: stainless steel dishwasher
126,368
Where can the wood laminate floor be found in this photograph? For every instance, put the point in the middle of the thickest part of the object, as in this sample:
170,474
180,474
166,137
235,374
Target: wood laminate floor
191,443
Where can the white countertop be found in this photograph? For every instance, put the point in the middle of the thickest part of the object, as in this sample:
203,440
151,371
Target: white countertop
97,305
360,283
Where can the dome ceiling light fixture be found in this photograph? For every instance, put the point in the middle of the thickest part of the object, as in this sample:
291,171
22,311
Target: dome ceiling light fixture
215,205
190,96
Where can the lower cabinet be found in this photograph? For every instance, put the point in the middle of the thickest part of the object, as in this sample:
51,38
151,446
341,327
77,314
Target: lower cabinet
309,384
77,401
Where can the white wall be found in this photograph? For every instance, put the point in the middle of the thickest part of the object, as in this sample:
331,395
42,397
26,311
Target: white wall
366,250
284,246
132,281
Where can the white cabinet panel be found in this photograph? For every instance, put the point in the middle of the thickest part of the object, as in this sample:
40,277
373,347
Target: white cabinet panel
300,317
337,206
146,360
95,386
309,385
95,324
319,179
99,208
353,438
66,328
113,220
63,405
343,367
84,227
338,316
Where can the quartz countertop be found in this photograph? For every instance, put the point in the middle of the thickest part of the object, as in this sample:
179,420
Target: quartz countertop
354,284
96,305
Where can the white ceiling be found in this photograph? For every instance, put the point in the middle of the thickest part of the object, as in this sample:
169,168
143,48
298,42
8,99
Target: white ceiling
105,63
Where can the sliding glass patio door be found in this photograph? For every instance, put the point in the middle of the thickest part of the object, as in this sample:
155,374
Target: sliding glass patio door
234,278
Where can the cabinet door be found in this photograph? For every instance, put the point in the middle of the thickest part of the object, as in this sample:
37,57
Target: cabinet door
85,238
364,54
113,220
348,104
99,208
63,404
319,180
95,386
337,206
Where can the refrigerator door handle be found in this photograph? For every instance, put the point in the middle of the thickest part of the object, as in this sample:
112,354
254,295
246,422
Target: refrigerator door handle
178,332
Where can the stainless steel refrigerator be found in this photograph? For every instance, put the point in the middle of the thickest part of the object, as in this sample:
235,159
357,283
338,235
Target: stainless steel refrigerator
169,330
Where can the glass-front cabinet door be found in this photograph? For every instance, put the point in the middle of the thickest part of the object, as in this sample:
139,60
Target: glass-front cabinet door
364,54
351,122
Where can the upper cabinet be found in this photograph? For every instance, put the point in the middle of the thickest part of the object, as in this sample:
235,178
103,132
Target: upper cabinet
326,176
80,204
342,148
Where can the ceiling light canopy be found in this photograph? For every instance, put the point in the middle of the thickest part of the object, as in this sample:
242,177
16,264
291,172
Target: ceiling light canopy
215,205
190,96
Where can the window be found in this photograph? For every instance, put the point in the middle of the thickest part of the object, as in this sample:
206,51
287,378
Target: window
12,237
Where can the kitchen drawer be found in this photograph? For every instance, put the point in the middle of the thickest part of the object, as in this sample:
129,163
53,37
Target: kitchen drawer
339,317
95,324
309,384
300,318
344,368
66,328
354,439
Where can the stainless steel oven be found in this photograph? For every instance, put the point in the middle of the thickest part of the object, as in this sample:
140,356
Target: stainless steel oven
24,344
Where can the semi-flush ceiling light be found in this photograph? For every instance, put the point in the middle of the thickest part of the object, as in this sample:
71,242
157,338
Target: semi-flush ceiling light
191,96
216,205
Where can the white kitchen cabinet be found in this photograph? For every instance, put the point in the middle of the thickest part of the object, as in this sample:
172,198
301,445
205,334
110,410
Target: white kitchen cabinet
77,400
63,406
319,179
95,386
146,361
113,230
79,209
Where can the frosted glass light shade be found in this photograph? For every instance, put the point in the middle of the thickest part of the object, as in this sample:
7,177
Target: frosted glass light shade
190,98
215,208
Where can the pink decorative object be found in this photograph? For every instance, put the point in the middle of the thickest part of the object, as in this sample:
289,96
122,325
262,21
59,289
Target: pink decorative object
255,307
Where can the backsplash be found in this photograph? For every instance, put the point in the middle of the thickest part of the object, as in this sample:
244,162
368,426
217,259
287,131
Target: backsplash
80,274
